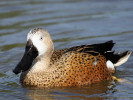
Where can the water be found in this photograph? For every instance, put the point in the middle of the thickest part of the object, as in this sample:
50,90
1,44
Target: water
70,23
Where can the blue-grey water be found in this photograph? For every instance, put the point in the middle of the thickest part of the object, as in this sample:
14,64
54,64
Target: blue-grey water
70,23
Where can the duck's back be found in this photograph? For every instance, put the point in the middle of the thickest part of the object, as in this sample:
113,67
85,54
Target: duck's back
94,49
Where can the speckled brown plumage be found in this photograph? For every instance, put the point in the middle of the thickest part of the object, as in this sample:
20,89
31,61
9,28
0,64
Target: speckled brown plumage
71,68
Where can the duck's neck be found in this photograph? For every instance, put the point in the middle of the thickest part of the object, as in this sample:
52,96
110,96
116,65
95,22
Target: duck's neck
41,64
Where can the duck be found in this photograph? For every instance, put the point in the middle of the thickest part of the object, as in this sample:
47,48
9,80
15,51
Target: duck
82,65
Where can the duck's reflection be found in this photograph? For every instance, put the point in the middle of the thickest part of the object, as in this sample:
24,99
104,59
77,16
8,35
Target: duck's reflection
95,91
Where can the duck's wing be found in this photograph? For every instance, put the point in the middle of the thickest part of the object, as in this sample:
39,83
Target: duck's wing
92,49
104,49
100,48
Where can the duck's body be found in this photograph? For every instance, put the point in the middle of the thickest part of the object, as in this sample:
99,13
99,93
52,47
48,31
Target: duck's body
75,66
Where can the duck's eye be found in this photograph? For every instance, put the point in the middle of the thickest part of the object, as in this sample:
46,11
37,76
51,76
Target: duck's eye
41,38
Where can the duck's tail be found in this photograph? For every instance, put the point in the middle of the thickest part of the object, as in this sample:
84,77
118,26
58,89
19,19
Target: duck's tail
117,60
113,59
121,58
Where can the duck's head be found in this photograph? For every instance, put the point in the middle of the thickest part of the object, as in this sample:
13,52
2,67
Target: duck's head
38,44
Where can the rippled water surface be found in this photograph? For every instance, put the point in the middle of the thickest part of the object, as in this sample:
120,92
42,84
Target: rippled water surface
70,23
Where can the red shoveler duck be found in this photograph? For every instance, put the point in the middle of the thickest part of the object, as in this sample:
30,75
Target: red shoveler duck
41,66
